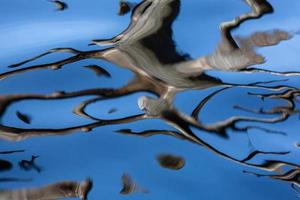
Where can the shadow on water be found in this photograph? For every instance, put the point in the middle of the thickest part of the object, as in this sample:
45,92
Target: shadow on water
146,48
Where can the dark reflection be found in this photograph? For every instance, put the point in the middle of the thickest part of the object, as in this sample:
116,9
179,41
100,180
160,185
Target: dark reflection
99,71
125,7
147,49
28,165
171,161
291,176
66,189
23,117
60,6
13,151
112,110
5,165
129,186
10,179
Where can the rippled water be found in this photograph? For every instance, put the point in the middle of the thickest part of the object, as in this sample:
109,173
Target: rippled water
177,100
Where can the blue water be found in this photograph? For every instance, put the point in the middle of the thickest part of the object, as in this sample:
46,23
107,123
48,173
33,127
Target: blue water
30,28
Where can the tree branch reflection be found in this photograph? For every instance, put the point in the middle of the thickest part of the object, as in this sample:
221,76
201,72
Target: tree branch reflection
146,48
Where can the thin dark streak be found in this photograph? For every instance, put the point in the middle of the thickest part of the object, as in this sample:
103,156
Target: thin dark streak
12,152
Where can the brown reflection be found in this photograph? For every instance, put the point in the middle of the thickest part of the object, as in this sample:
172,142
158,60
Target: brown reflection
125,7
99,71
147,49
60,6
129,186
258,9
170,161
66,189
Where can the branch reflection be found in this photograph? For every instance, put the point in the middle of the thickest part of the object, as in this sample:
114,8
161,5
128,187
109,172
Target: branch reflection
147,49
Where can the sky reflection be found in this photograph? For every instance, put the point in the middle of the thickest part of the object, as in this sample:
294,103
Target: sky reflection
157,98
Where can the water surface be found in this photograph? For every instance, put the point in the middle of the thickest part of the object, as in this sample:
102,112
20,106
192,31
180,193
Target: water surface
176,99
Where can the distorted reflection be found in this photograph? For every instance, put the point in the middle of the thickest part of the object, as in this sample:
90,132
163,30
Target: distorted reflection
129,186
170,161
291,176
7,166
99,71
112,110
147,49
125,7
60,6
65,189
23,117
12,151
30,164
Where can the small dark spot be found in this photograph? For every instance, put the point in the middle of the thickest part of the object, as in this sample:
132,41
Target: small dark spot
124,8
113,110
23,117
5,165
171,162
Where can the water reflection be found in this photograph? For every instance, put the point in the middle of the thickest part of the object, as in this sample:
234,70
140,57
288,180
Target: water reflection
147,48
125,7
5,165
291,176
10,179
23,117
60,6
11,152
99,71
65,189
28,165
129,186
171,161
